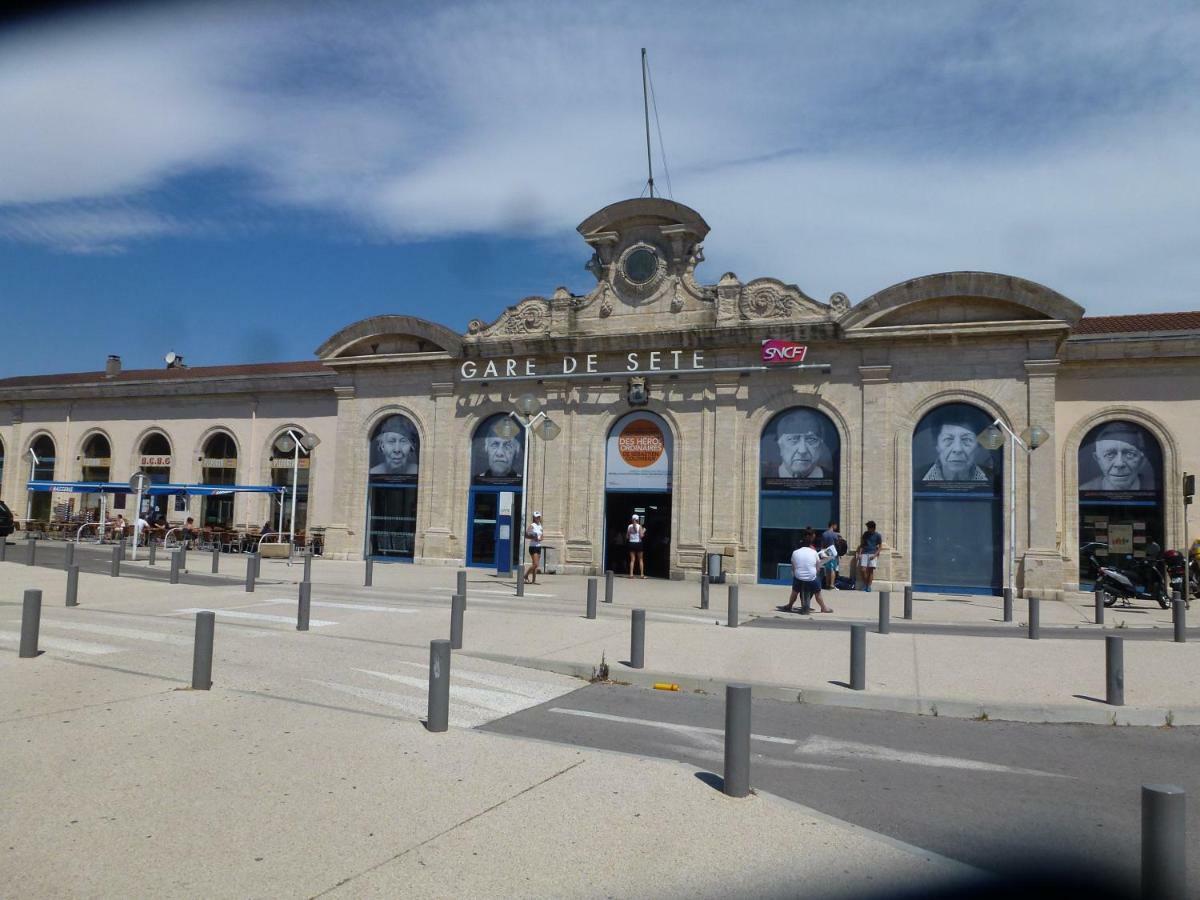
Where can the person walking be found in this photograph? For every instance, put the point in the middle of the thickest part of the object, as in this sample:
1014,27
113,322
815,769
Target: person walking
635,537
868,554
806,581
831,538
534,535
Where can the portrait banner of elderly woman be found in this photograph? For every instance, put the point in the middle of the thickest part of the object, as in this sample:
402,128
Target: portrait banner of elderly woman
799,449
395,451
947,453
496,459
1119,458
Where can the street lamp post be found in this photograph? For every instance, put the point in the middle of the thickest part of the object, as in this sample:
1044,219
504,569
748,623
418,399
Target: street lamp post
1031,438
33,464
292,442
526,417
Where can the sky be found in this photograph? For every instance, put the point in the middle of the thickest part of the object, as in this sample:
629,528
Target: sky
236,182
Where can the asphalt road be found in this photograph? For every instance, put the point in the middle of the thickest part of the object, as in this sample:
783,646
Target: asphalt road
1000,796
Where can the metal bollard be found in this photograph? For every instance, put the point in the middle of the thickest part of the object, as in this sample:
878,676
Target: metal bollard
304,607
1008,604
183,558
704,591
153,551
122,544
3,549
1179,613
202,651
176,565
32,544
908,601
257,563
69,555
216,562
458,607
438,718
73,586
251,571
1114,671
520,582
1098,599
1164,842
462,582
369,576
637,640
608,586
1035,618
591,597
858,657
732,621
885,612
308,565
116,561
737,740
31,623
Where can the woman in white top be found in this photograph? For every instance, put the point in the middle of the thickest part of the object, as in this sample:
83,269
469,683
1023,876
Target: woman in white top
534,534
635,537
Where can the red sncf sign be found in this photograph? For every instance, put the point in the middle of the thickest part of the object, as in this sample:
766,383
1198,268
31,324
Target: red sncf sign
777,351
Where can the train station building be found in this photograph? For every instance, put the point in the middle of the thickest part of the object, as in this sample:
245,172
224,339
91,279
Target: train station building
727,414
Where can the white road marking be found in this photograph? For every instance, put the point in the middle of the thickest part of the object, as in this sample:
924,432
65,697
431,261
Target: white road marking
497,701
512,593
667,726
718,755
661,615
113,631
819,745
258,617
370,607
414,706
540,691
65,644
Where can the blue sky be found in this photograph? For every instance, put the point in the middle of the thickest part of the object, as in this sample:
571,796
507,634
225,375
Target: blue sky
236,182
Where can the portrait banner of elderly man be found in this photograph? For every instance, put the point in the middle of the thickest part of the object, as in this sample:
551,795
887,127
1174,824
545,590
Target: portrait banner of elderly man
395,451
1119,458
799,449
953,459
496,459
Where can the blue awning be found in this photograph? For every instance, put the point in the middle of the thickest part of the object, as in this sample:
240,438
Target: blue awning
154,490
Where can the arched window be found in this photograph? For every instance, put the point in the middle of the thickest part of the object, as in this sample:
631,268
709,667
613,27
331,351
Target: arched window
95,465
154,458
799,465
41,470
394,465
288,468
219,467
1120,497
957,516
497,461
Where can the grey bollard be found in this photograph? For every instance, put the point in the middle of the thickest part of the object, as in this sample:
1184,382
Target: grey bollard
1114,671
1164,842
439,686
124,548
68,556
116,561
308,565
3,549
732,621
202,651
608,586
31,623
858,657
32,544
257,563
462,582
1035,619
304,607
73,586
369,575
216,562
183,558
637,640
908,601
458,607
591,597
153,551
885,612
1008,604
1179,613
703,591
251,571
1098,599
520,582
176,565
737,740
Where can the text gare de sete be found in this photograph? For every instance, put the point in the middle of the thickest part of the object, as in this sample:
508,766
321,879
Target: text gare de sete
654,361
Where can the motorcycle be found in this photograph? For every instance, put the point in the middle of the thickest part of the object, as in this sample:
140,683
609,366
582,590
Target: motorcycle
1140,579
1178,568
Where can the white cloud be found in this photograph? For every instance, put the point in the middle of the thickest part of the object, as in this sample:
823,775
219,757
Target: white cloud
104,228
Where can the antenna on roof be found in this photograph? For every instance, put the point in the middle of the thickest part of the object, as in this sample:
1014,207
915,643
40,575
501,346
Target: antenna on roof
646,112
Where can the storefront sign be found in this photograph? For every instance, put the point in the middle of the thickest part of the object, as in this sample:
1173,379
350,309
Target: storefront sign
155,461
588,363
639,454
776,352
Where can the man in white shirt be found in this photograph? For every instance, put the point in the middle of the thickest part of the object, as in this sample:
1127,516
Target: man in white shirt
807,561
139,528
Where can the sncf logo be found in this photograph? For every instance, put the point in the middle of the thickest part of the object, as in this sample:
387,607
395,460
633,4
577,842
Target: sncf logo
779,352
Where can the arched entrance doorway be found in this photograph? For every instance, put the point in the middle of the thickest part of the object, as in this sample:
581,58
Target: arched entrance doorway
41,470
496,492
219,467
394,467
957,515
798,486
637,481
95,465
154,458
1120,496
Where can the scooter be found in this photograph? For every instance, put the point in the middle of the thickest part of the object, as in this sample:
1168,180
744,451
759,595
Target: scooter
1178,568
1118,585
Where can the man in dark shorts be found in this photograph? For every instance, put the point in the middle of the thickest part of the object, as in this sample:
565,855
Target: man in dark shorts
806,578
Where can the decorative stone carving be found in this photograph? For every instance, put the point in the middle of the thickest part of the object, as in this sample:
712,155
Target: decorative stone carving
839,303
766,302
530,316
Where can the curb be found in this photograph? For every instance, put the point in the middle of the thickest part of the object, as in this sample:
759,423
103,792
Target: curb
1092,714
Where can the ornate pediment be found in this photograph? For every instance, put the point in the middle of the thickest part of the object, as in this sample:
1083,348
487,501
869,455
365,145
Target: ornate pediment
529,317
769,298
